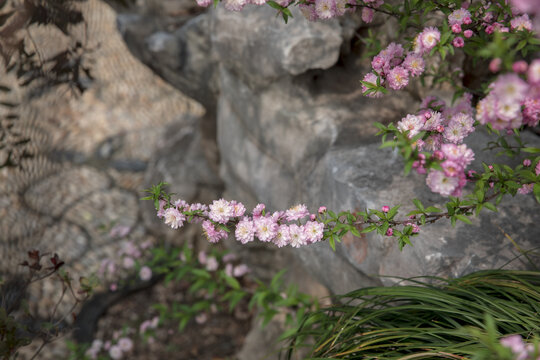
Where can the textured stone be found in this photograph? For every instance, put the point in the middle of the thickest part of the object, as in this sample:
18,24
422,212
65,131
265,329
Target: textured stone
261,48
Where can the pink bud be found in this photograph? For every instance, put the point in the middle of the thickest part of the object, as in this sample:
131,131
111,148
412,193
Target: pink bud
458,42
527,162
386,208
440,128
490,29
468,33
520,67
322,209
456,28
389,232
495,65
467,21
490,167
312,217
427,115
113,287
438,154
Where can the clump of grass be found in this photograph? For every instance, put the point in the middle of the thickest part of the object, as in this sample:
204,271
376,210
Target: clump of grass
430,318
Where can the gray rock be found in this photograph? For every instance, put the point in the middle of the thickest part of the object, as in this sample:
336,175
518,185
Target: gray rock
260,48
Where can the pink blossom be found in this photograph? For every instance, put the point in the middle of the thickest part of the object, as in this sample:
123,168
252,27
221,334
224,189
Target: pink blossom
533,74
385,208
325,9
322,209
229,257
201,318
212,264
367,15
458,42
238,208
297,212
245,230
432,121
468,33
128,262
414,63
454,133
115,352
228,269
467,20
341,7
451,168
298,236
174,218
202,258
456,28
520,67
204,3
510,88
125,344
314,231
258,210
308,10
537,169
525,189
266,228
457,16
283,237
429,37
440,183
113,287
240,270
389,232
411,123
521,23
398,78
531,111
221,211
212,234
415,227
145,273
161,210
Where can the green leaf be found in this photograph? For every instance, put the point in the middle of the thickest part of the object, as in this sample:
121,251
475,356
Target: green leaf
531,150
332,242
536,191
232,282
464,218
490,206
418,204
370,228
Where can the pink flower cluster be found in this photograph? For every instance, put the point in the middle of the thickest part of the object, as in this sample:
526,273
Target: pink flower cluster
127,257
519,348
458,19
445,128
512,101
222,214
492,21
326,9
392,68
117,349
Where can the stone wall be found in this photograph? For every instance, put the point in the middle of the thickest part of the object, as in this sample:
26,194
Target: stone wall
292,126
